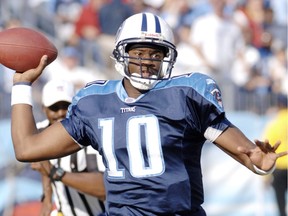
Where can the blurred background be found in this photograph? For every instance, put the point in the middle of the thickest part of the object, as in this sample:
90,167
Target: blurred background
242,44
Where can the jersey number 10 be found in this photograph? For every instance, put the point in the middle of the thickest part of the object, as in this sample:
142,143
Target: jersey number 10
138,169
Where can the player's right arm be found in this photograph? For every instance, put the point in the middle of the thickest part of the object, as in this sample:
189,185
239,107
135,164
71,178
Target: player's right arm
29,144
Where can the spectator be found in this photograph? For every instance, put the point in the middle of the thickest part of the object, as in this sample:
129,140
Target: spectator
87,30
174,12
68,67
120,10
188,60
242,71
218,41
254,11
278,30
259,87
111,15
38,15
66,12
277,68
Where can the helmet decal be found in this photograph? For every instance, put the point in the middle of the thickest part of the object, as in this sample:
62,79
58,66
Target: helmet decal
158,26
144,22
144,26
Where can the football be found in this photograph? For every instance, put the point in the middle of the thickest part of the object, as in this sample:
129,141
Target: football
22,48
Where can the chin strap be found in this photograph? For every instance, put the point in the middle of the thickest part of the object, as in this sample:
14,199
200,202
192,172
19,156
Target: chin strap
142,83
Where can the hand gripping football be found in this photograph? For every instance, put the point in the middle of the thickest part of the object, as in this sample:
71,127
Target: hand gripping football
22,48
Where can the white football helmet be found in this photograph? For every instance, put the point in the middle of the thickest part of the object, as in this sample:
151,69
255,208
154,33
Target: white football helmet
149,29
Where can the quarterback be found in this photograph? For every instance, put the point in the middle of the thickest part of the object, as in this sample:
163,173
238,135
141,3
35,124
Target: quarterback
148,127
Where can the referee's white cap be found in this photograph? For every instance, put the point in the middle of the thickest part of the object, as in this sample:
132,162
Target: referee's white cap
57,90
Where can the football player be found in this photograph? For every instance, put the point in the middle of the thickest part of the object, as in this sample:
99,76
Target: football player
149,127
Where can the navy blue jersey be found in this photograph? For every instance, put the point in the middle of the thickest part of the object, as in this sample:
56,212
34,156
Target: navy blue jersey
151,146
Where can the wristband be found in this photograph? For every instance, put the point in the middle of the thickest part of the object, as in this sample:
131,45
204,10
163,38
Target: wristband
21,94
262,172
22,83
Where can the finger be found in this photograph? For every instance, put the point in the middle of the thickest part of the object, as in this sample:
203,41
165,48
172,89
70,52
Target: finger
281,154
258,142
268,146
276,145
261,145
43,62
46,170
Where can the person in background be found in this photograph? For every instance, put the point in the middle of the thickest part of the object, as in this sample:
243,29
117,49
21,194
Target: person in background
86,32
65,12
277,128
75,180
109,26
68,67
149,127
217,40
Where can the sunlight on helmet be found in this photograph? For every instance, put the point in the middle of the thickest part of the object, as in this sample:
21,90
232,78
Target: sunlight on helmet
144,28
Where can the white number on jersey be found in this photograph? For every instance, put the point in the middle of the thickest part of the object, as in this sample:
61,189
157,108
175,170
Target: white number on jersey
149,127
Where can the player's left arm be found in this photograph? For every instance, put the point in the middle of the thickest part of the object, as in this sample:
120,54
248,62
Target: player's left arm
255,156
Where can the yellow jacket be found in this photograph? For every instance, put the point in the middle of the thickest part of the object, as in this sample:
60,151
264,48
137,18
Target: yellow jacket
277,129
